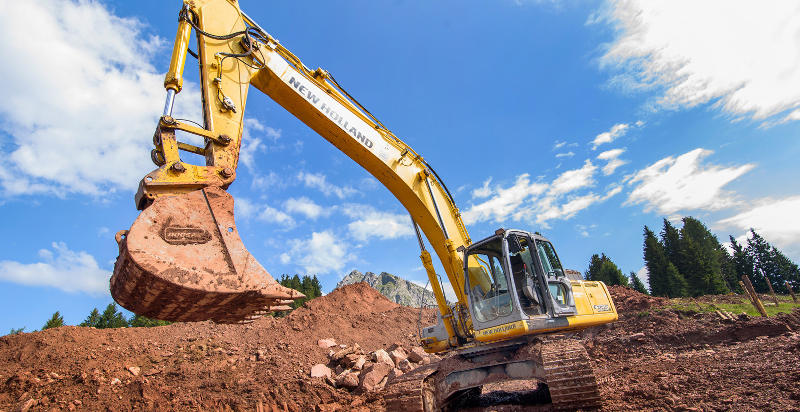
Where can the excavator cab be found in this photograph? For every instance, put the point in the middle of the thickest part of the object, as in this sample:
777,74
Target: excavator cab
515,283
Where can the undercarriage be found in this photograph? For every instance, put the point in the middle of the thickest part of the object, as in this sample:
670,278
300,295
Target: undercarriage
562,365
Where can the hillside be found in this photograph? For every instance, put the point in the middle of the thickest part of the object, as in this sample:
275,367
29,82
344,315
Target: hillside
395,288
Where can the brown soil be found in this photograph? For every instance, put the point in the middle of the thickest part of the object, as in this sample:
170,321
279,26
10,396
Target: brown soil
651,359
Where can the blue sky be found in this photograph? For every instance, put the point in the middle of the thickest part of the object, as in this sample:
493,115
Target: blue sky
582,121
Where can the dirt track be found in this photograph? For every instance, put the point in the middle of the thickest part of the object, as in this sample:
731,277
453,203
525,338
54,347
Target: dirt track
652,358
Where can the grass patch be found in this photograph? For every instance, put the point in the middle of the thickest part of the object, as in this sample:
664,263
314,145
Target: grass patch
688,305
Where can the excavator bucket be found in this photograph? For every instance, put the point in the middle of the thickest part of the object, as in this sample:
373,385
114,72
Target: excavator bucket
183,260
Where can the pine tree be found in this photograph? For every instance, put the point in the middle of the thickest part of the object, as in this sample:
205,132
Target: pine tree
700,259
93,320
637,284
602,269
770,263
670,239
55,321
676,283
317,286
743,265
110,318
16,331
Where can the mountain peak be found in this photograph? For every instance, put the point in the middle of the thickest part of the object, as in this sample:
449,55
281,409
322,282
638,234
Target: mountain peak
395,288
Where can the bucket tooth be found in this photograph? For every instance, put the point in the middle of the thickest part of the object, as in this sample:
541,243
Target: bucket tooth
183,260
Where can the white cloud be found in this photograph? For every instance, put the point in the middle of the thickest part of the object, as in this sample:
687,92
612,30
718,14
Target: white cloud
539,202
614,162
567,154
80,111
271,215
320,182
683,183
371,223
243,208
322,253
618,130
60,268
775,219
483,191
574,179
559,144
741,54
306,207
505,202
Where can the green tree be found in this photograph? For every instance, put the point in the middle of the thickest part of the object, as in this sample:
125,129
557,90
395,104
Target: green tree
771,264
16,331
700,258
663,276
139,321
93,320
55,321
637,284
602,269
670,239
110,318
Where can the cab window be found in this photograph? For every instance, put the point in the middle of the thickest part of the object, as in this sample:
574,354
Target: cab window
489,290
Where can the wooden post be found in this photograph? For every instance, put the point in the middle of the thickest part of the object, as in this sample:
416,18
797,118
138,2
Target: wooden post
771,291
753,296
791,292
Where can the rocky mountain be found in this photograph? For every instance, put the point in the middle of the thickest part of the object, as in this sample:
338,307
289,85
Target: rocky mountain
395,288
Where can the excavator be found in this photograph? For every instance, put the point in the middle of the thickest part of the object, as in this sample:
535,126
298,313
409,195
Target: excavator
183,260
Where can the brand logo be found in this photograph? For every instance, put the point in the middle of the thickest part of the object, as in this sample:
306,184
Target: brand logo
184,235
602,308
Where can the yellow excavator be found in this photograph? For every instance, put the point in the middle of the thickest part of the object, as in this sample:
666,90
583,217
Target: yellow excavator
183,259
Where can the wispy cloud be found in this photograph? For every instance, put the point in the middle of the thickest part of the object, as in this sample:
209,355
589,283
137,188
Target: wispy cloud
618,130
320,254
739,54
613,160
776,219
372,223
684,183
320,182
305,207
60,268
539,202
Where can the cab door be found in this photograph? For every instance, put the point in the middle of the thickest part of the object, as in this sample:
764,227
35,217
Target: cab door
558,285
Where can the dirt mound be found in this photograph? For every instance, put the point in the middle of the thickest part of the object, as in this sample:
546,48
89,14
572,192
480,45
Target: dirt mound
627,299
653,358
202,365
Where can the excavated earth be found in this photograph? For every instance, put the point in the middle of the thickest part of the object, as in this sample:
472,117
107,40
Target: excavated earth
653,358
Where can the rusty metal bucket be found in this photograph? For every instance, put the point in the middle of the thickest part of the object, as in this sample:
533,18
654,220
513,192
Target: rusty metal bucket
183,260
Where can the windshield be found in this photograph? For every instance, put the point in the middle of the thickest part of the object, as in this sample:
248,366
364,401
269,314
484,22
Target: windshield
489,283
550,263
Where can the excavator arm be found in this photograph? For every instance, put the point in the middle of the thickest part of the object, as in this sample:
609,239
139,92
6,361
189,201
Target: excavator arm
183,259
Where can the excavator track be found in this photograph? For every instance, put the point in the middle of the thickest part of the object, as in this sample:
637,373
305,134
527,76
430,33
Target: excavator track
410,392
569,376
563,364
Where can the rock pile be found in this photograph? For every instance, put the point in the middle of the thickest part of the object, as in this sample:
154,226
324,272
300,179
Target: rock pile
356,370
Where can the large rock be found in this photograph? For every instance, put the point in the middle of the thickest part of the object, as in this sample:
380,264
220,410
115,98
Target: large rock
380,356
398,355
347,379
395,288
326,343
404,365
417,354
320,371
373,376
